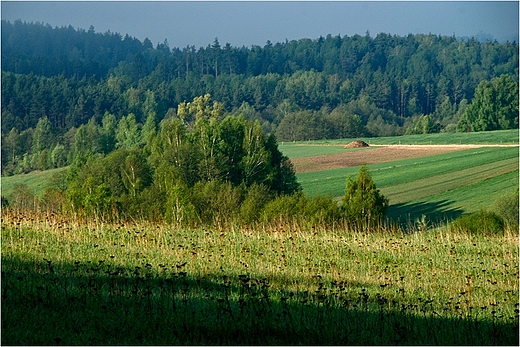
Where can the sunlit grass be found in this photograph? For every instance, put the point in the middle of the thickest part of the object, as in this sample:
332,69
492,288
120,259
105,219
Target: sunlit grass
317,286
36,181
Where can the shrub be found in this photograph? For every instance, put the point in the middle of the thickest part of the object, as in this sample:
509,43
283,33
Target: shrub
98,201
285,207
52,200
298,207
480,223
216,202
23,198
4,201
178,207
322,210
507,208
363,203
154,201
258,195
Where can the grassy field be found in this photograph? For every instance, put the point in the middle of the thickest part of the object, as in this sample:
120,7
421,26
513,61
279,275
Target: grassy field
322,147
449,184
66,282
37,181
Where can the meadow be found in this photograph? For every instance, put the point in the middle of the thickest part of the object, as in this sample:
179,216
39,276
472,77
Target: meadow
69,282
36,181
483,175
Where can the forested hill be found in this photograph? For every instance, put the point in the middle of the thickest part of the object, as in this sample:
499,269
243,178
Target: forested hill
327,87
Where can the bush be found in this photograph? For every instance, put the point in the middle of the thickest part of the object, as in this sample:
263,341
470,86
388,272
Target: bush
23,198
480,223
322,210
4,201
285,207
216,202
154,199
363,203
178,207
258,195
52,200
507,208
297,207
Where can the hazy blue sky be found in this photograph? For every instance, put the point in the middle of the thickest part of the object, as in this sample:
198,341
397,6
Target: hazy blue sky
247,23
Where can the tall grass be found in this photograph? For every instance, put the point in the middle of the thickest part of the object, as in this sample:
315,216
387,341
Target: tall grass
71,282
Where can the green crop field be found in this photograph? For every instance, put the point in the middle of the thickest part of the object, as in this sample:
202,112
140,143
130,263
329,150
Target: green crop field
432,179
465,199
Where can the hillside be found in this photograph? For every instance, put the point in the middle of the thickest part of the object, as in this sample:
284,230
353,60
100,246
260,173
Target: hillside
324,88
36,181
446,174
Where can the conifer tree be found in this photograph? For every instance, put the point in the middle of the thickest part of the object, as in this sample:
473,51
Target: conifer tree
363,203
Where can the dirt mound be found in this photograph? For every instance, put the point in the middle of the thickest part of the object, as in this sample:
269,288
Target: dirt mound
356,144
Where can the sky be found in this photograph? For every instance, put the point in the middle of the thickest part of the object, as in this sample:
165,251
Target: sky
247,23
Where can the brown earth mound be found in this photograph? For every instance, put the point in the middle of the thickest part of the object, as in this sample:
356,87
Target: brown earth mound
356,144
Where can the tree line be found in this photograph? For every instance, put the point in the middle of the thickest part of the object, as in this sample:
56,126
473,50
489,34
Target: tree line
57,80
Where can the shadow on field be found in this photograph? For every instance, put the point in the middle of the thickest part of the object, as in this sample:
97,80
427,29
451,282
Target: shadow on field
408,214
86,303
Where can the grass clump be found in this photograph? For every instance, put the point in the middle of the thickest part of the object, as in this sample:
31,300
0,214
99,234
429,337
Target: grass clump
481,222
507,208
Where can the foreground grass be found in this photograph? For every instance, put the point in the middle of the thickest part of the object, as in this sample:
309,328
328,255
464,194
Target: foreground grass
70,283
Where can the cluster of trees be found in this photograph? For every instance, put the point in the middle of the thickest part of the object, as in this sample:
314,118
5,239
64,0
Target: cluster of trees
194,167
43,50
495,106
199,167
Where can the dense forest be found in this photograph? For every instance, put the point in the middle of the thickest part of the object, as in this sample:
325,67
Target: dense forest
66,91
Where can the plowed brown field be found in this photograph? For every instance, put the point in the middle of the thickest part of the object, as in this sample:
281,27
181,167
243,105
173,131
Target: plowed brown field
371,155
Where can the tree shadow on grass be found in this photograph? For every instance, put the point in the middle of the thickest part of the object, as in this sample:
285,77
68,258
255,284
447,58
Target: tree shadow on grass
96,303
409,214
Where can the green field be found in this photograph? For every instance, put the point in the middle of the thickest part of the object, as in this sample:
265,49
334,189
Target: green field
322,147
464,181
36,181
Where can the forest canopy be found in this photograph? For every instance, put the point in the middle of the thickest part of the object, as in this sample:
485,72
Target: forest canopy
66,90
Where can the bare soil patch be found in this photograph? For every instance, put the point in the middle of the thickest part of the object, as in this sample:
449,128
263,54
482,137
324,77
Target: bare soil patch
371,155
